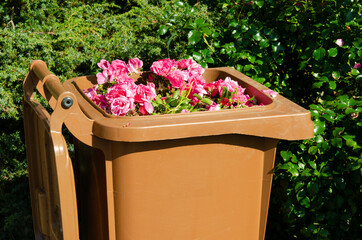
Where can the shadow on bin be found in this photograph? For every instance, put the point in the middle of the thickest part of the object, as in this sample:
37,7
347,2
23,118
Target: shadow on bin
202,175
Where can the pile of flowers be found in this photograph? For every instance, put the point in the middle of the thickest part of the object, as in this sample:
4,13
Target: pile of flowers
170,87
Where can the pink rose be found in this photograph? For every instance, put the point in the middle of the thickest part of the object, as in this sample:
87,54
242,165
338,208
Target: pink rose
196,68
230,85
270,93
176,78
104,64
184,63
125,89
146,108
340,42
119,69
214,107
162,67
357,65
101,78
134,65
211,88
145,93
98,99
198,89
199,79
240,94
121,105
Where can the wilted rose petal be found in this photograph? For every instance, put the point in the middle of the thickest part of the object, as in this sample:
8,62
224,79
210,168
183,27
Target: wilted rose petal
357,65
270,93
340,42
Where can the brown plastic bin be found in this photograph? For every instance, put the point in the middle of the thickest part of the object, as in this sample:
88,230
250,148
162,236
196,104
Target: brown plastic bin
193,176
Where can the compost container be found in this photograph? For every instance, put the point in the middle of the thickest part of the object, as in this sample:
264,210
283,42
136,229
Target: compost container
192,176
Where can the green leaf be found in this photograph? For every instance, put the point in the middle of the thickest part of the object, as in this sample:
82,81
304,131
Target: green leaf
332,52
336,75
207,101
196,56
315,107
317,85
180,3
313,164
257,37
194,36
259,3
319,53
210,60
312,150
277,47
319,127
355,72
286,155
349,111
319,139
298,186
359,53
327,117
251,58
233,23
200,22
337,142
264,43
162,30
305,202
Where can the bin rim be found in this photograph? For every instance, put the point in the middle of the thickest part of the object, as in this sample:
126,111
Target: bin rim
279,118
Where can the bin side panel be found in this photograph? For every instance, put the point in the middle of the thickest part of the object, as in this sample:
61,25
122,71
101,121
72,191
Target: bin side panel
91,192
42,176
197,188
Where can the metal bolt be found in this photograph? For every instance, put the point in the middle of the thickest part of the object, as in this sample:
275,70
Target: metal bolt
67,102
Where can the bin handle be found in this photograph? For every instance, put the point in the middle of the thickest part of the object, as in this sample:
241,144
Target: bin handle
49,86
46,83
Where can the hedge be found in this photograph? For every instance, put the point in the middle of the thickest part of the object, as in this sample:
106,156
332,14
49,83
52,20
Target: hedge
308,51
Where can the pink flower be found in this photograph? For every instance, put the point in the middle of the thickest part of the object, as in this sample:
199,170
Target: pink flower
270,93
195,68
230,85
121,105
214,107
145,93
240,95
162,67
101,78
98,99
123,78
184,63
125,89
104,64
357,65
176,78
198,89
340,42
119,69
134,65
185,111
195,78
211,88
146,108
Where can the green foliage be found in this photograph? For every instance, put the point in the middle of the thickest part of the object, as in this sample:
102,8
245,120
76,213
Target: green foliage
318,184
15,209
289,46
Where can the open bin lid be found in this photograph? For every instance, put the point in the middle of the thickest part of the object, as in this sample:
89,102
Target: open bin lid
279,118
